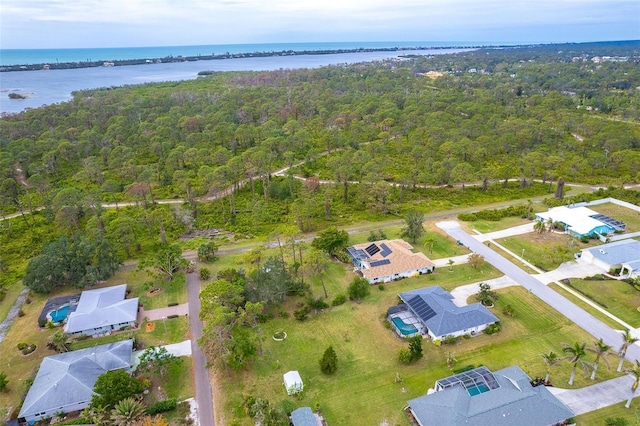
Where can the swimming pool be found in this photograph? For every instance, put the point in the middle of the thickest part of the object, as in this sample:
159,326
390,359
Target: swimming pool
405,329
60,314
477,388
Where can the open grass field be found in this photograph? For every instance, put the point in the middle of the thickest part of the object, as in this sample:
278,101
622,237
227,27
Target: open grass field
621,299
547,251
363,390
628,216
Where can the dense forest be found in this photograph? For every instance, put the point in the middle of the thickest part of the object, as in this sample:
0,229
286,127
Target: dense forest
395,127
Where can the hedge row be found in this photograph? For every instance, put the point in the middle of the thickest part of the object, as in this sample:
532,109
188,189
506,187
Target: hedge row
495,214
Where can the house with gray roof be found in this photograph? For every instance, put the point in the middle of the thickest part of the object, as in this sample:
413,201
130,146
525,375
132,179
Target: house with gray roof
303,416
480,397
431,311
101,311
623,255
64,382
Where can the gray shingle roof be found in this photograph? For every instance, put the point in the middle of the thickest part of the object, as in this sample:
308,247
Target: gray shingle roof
618,252
514,402
448,317
303,416
102,307
68,378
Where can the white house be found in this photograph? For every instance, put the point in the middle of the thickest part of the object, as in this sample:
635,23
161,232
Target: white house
581,221
388,260
64,382
102,311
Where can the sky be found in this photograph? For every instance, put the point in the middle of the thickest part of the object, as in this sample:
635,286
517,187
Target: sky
42,24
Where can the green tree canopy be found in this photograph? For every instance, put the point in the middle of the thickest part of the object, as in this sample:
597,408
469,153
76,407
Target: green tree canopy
114,386
359,289
329,361
331,240
413,228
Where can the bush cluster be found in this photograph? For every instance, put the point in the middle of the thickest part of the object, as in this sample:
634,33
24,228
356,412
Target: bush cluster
339,299
495,215
162,406
493,328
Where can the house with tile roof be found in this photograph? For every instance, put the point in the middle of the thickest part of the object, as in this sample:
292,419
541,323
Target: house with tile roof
64,382
388,260
623,255
431,311
480,397
102,311
581,221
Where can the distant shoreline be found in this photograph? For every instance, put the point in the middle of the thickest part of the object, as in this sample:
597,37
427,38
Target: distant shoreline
170,59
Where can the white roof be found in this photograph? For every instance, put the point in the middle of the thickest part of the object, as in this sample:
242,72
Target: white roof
292,379
102,307
578,218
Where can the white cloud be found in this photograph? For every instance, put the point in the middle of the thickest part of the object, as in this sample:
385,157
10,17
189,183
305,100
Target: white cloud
88,23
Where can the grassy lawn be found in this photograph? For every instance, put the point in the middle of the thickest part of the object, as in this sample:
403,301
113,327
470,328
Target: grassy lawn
578,302
599,417
628,216
364,391
547,250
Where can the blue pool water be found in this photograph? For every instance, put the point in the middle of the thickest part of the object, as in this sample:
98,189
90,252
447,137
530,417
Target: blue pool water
60,314
477,389
405,329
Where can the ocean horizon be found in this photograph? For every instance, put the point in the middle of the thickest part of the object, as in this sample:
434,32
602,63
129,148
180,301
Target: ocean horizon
12,57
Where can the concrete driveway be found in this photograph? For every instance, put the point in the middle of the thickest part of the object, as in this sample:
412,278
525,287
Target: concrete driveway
578,315
596,396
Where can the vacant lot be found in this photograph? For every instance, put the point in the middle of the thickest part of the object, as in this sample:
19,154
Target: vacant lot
546,250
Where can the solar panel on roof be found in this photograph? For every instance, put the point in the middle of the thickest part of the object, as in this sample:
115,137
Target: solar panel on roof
386,251
421,308
380,263
372,249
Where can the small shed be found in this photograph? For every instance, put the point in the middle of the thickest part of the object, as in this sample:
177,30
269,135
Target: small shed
293,382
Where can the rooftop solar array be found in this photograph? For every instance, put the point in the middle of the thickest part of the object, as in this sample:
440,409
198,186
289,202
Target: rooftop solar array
470,379
372,249
616,224
386,251
380,263
421,308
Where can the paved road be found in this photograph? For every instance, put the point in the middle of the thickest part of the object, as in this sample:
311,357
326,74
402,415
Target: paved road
204,394
581,318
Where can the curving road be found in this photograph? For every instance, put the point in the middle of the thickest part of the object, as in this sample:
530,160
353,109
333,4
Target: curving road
580,317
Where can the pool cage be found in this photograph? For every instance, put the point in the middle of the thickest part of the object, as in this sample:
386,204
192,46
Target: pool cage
476,381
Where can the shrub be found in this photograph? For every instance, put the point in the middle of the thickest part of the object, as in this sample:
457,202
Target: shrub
22,345
205,274
342,256
449,340
317,303
263,318
172,316
466,336
493,328
381,287
20,313
145,382
339,299
50,325
508,311
359,289
284,314
329,361
415,347
404,356
288,406
42,322
301,314
162,406
616,421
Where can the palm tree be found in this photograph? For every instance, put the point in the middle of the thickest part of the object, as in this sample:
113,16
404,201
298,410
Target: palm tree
575,354
539,226
59,341
550,359
635,372
127,412
601,350
627,340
